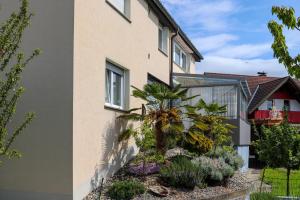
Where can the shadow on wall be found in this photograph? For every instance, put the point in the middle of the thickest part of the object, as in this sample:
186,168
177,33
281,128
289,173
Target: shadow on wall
116,153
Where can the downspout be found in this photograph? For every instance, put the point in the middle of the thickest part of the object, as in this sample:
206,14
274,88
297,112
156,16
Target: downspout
172,57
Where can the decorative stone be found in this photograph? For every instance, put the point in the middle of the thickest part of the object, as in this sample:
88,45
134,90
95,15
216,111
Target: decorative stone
160,191
150,168
176,152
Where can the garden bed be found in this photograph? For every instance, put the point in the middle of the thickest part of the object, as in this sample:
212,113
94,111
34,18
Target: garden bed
234,186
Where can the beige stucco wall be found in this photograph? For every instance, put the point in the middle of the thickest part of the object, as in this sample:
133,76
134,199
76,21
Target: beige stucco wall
45,170
72,144
100,33
192,69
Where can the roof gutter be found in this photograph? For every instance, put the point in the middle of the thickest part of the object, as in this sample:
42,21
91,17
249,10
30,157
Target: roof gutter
172,58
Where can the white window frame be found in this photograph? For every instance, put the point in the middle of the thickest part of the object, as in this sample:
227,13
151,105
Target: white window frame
114,69
125,9
180,57
163,46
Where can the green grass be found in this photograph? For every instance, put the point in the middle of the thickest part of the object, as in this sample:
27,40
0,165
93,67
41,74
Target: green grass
261,196
277,179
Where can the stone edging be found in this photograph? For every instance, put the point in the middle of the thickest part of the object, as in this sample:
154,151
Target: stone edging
230,195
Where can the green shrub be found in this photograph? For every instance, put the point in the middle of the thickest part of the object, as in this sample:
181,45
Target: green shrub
182,173
125,190
229,155
226,169
215,170
261,196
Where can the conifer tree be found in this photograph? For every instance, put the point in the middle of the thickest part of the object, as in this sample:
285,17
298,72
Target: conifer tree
12,64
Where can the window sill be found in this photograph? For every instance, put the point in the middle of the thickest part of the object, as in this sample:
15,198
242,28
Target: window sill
161,51
118,11
112,108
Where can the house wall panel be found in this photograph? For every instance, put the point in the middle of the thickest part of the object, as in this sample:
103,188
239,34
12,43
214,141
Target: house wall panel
100,33
45,169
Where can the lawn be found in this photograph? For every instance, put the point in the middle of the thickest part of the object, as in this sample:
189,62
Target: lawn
277,178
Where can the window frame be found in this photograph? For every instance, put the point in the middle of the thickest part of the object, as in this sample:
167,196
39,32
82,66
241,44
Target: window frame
272,103
112,68
180,64
163,44
126,11
286,106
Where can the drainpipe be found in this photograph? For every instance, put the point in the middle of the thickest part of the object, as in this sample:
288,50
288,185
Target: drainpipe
172,55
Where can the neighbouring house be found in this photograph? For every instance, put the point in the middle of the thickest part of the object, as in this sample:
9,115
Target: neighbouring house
229,91
92,52
270,98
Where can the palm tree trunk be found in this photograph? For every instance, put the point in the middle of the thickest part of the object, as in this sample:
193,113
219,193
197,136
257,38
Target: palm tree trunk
160,139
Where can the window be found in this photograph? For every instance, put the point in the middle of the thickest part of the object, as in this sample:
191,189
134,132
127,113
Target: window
223,95
180,58
114,84
243,107
121,5
177,55
270,104
163,39
286,105
226,95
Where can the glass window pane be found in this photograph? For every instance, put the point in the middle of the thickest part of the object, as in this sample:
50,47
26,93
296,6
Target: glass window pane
286,106
119,4
165,40
108,86
270,104
226,95
177,55
183,61
160,39
117,89
243,107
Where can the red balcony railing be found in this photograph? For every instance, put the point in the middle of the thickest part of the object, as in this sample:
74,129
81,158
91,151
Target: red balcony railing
293,116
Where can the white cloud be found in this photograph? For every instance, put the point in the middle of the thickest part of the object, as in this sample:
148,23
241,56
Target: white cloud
213,42
243,50
202,14
241,66
224,49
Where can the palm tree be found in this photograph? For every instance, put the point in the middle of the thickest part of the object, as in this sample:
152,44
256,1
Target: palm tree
158,112
208,127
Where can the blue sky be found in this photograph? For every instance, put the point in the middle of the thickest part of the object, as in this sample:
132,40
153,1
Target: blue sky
232,35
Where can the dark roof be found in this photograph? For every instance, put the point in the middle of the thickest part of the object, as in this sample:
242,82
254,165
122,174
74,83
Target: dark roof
200,80
253,81
264,91
157,4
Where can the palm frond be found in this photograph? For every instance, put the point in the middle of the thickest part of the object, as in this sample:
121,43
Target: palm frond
139,93
132,116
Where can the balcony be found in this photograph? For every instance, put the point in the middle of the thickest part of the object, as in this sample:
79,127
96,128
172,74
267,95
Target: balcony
273,117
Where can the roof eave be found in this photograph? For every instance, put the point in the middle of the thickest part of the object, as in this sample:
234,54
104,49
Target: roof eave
176,27
268,95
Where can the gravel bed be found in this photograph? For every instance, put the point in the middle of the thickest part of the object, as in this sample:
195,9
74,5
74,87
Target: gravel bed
237,183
